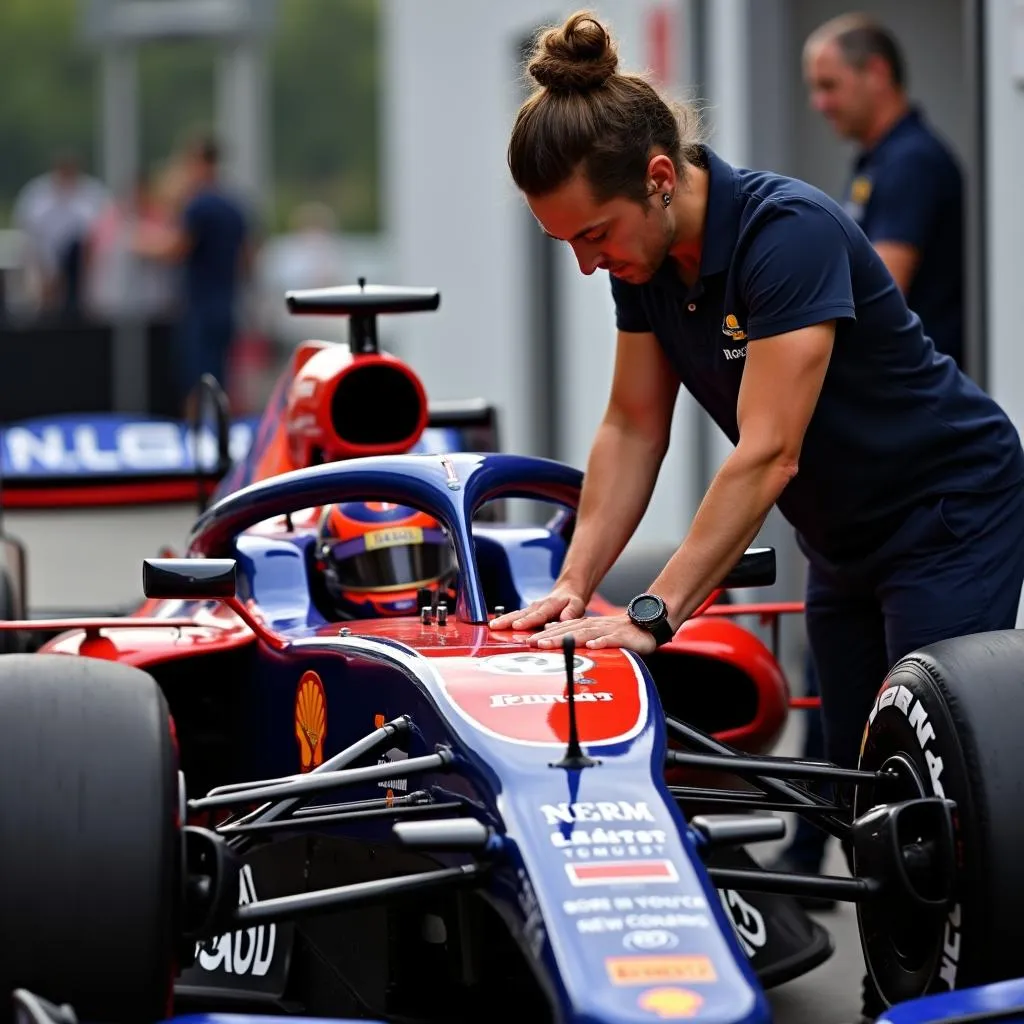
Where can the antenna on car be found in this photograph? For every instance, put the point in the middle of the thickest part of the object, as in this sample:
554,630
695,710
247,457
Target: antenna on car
574,756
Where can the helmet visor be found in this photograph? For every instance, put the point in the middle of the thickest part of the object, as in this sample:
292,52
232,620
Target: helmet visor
394,566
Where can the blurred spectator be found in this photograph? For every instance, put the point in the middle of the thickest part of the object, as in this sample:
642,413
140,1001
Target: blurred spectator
906,193
56,211
212,241
310,255
120,283
906,190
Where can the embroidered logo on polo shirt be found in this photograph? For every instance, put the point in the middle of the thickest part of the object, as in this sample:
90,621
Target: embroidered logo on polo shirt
731,328
860,191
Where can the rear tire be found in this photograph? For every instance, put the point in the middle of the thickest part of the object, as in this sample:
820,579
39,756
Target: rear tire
89,837
953,711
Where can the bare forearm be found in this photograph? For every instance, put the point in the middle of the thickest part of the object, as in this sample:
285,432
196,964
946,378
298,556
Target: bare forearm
734,508
621,473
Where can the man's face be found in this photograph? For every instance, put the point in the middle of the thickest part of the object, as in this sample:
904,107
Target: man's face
627,239
840,92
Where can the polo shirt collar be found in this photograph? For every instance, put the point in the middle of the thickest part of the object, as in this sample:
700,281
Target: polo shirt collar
908,122
721,224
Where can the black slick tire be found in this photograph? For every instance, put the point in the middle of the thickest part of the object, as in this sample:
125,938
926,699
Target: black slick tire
89,837
953,712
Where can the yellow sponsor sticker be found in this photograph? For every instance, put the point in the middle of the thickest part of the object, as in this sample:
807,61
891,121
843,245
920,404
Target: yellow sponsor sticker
653,970
394,536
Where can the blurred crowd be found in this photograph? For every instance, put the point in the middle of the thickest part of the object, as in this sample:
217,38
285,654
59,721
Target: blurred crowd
80,253
180,252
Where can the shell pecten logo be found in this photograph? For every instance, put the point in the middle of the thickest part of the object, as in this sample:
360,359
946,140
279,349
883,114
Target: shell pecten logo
670,1003
731,327
310,720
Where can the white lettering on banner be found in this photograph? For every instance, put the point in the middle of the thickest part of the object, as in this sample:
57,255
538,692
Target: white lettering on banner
243,952
91,456
601,925
601,810
650,940
747,921
604,904
131,447
608,837
25,447
389,757
593,905
152,446
511,700
917,717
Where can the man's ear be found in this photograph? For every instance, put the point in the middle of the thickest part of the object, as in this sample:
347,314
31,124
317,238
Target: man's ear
879,69
661,173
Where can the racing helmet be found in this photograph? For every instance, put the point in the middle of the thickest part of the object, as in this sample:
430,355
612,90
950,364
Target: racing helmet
374,556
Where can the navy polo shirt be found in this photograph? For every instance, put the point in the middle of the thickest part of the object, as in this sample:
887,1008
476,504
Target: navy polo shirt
217,228
908,189
896,424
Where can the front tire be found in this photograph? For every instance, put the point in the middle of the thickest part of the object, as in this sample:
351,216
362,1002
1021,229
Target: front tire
89,837
11,641
949,719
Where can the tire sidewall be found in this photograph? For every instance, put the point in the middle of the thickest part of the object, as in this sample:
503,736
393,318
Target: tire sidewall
910,717
11,641
91,851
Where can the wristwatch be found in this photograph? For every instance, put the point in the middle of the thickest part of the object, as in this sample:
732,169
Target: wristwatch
648,611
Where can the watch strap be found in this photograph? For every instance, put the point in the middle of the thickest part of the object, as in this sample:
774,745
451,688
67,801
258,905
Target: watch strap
661,631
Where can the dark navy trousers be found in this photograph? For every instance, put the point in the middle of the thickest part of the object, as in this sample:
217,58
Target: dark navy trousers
955,566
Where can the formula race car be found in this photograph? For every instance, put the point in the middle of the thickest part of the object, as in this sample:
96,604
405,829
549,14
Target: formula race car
306,778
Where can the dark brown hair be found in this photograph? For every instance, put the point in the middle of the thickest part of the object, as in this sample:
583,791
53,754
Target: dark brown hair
585,114
860,38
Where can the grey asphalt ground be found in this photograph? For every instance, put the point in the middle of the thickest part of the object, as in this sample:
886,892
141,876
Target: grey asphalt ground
830,994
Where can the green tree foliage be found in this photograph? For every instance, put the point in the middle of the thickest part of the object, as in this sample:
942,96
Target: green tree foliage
49,97
324,109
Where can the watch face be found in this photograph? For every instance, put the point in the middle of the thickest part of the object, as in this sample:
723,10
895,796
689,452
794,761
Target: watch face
646,608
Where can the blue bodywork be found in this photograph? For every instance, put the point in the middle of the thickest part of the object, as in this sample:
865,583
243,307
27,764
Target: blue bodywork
1002,1001
575,928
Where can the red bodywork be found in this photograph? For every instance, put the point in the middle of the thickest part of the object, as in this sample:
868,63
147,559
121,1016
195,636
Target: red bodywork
315,416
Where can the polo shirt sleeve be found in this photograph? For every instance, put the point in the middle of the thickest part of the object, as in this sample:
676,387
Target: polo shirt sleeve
796,269
905,200
629,311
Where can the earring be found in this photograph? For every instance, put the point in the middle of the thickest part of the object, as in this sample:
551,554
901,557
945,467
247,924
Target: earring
666,198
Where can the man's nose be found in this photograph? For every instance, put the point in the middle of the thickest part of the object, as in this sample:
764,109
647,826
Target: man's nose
588,261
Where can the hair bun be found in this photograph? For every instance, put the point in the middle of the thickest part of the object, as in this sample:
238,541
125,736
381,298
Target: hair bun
579,55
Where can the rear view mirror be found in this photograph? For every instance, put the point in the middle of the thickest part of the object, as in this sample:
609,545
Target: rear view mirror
755,569
189,579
